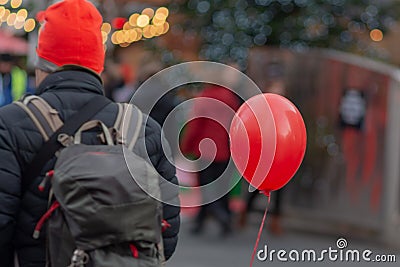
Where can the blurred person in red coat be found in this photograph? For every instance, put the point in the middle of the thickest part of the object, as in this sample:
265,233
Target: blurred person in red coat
206,137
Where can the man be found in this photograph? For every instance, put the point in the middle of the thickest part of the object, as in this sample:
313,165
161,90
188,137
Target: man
70,58
13,80
207,138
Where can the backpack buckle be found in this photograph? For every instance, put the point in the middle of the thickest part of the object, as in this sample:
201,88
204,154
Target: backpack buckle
79,258
65,139
118,138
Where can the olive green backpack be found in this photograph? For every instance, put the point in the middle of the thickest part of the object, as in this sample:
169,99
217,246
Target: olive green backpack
102,210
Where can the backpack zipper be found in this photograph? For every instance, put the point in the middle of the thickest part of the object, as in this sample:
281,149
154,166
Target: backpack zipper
164,225
134,250
43,183
44,218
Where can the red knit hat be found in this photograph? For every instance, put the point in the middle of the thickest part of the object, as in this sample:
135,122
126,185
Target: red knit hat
71,34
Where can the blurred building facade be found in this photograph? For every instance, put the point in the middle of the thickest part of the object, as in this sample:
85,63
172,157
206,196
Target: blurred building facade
349,180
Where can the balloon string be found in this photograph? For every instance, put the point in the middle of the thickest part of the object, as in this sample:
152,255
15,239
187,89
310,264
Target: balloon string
261,228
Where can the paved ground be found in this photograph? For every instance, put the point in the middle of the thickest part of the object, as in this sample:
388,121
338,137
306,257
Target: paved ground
210,250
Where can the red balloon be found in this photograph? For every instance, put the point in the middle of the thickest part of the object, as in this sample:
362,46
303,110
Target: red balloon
268,141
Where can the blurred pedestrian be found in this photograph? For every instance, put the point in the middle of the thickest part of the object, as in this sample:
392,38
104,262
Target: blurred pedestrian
112,79
13,80
127,88
163,108
211,121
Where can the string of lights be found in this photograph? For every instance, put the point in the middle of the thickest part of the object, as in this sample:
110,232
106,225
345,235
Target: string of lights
148,24
16,17
231,29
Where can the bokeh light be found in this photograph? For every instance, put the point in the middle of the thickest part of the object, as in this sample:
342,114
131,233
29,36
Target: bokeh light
149,12
11,19
106,27
22,13
127,26
143,21
133,19
133,34
147,32
159,29
166,27
376,35
163,10
5,15
29,25
159,19
19,24
124,44
16,3
114,38
139,34
146,24
120,37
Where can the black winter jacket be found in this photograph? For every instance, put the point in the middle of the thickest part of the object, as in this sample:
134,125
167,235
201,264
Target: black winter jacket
67,91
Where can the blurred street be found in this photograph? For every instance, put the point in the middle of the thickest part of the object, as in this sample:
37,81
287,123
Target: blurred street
210,250
324,139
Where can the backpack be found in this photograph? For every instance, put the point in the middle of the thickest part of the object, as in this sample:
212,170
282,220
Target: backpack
103,207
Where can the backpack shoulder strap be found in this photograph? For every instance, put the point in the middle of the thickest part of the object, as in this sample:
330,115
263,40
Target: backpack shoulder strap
117,123
128,123
45,117
52,145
